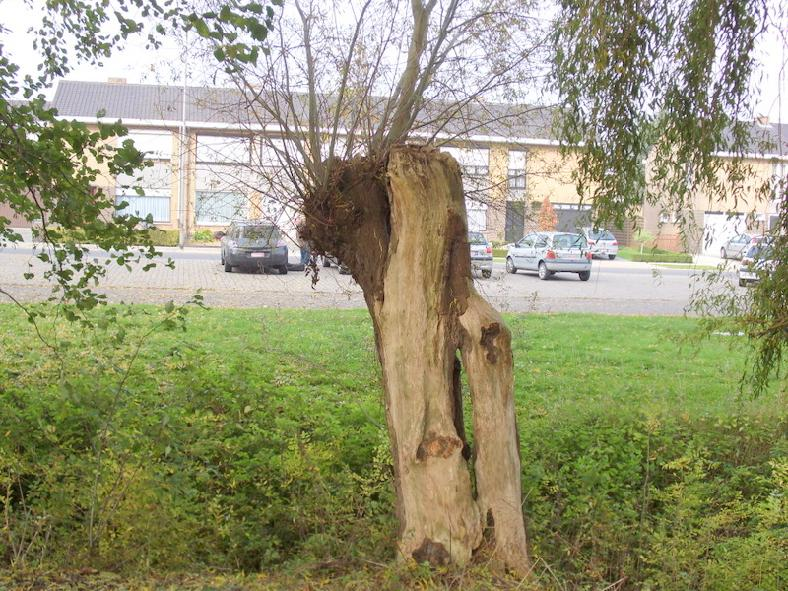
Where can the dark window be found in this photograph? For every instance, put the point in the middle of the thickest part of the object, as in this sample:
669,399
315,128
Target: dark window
569,241
600,235
515,220
262,232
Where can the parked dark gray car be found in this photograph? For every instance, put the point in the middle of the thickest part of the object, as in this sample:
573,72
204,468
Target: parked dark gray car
254,245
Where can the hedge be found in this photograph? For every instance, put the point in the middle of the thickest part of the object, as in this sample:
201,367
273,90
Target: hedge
676,257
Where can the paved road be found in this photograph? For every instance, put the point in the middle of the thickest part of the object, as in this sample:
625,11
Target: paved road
615,287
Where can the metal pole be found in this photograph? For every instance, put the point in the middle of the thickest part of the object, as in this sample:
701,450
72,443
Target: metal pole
182,157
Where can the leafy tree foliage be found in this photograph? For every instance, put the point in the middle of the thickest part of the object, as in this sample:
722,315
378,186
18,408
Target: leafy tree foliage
50,168
670,82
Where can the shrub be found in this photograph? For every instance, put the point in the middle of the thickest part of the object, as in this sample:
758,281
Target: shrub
547,219
644,237
163,237
648,257
670,501
203,236
264,448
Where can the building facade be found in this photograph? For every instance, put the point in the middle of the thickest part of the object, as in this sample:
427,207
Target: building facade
211,165
218,172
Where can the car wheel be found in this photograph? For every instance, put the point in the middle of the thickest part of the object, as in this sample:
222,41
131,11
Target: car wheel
612,257
486,273
228,268
723,254
510,268
544,274
326,262
742,283
584,275
283,270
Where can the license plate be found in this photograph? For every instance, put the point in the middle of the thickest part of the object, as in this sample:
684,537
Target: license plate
259,254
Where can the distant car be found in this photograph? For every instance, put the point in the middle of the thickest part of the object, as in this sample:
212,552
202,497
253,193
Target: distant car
761,239
481,254
601,243
551,252
328,261
736,247
756,263
254,245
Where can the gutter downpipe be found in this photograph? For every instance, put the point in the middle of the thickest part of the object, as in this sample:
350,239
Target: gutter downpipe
181,164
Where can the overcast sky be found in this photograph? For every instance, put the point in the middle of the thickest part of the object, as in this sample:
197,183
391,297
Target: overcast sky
139,65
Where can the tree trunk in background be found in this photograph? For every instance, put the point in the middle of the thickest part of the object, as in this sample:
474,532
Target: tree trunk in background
404,236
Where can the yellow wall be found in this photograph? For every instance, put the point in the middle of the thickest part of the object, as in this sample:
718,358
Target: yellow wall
499,176
747,199
174,181
105,180
550,175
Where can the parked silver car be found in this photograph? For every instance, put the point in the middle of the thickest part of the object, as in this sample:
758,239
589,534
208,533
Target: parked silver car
736,247
550,252
481,254
601,243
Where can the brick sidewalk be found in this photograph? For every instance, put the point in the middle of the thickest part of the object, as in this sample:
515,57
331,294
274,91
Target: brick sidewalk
614,288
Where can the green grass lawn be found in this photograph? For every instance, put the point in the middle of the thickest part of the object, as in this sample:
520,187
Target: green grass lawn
626,252
687,266
656,255
254,442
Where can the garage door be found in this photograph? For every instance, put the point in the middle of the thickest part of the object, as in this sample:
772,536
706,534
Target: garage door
477,215
718,228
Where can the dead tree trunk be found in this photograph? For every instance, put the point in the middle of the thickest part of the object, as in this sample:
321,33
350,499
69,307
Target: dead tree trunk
401,228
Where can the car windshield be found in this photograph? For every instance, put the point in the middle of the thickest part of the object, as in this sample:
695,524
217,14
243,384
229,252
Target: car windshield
760,251
569,241
600,235
476,238
267,233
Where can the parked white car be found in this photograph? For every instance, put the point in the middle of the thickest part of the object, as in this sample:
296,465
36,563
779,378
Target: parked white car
550,252
758,262
601,243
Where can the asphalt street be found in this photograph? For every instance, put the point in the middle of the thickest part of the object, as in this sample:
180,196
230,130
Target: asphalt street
615,287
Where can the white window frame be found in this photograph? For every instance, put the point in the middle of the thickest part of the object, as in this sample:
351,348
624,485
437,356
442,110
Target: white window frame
157,187
155,145
242,210
223,149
